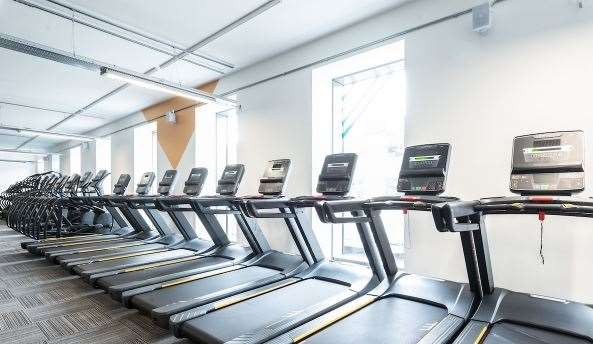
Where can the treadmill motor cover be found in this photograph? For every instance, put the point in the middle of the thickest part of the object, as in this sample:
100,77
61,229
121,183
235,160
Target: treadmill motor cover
122,184
424,169
228,184
145,183
337,174
550,163
195,182
167,182
274,178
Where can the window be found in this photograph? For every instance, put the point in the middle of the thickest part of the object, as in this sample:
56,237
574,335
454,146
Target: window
216,146
103,154
226,151
75,160
365,96
145,152
40,165
55,162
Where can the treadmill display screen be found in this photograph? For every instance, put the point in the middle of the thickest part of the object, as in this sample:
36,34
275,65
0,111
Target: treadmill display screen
274,178
424,169
194,177
550,163
336,174
145,179
338,167
228,184
425,161
229,174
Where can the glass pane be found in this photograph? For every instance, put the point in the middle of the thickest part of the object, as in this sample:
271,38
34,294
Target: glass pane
75,160
369,110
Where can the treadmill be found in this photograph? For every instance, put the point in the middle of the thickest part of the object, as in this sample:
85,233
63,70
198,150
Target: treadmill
404,308
176,246
264,313
266,269
547,169
167,238
142,229
223,253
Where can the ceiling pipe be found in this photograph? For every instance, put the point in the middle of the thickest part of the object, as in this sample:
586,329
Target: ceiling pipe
138,32
249,16
115,34
40,108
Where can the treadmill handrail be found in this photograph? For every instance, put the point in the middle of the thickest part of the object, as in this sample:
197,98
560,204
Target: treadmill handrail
253,208
330,208
447,215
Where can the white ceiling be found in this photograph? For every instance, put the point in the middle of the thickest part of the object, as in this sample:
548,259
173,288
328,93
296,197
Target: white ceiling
36,82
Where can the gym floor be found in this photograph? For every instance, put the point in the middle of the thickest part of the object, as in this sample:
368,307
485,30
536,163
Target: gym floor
41,303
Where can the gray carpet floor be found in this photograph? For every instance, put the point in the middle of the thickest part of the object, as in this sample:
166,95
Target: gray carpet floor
41,303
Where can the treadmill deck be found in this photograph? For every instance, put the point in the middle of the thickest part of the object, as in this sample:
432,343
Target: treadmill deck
252,315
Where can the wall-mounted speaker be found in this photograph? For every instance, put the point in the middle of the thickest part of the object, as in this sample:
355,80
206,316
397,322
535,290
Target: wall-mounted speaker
482,18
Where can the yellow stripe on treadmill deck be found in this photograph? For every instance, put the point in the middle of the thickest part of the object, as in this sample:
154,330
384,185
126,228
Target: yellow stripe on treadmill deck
482,335
111,247
133,254
231,301
156,265
342,313
200,276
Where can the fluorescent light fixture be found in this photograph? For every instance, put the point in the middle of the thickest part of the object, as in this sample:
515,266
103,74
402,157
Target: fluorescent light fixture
47,133
165,86
22,151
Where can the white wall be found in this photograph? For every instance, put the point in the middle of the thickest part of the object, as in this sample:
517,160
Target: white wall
531,73
122,156
88,157
12,172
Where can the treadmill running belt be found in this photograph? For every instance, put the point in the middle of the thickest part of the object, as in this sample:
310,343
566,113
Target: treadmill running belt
132,261
124,250
390,320
101,244
187,291
142,275
251,315
506,333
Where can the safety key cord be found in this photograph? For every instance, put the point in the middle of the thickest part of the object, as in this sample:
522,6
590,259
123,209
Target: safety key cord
542,217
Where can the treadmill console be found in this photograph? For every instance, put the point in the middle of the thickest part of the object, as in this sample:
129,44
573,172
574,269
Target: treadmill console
274,179
337,174
550,163
228,184
86,180
166,184
145,183
72,183
100,176
424,169
195,182
62,183
122,184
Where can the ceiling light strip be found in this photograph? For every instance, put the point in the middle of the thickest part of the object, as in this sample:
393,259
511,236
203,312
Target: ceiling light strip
22,151
263,8
164,86
48,133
